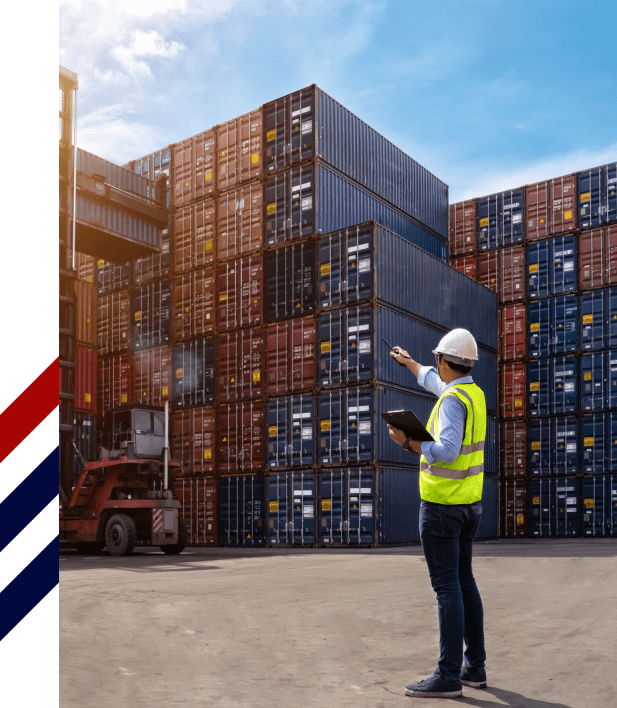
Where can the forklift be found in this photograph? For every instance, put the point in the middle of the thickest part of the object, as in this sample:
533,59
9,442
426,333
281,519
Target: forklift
122,499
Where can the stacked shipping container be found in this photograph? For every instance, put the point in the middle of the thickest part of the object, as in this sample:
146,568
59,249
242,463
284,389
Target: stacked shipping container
557,346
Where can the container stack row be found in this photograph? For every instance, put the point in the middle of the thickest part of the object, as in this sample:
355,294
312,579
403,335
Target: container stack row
549,251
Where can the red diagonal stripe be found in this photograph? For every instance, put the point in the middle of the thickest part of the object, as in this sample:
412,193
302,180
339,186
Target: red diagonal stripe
29,410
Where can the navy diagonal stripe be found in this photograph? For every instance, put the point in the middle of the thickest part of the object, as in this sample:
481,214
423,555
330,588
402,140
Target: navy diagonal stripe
28,500
25,592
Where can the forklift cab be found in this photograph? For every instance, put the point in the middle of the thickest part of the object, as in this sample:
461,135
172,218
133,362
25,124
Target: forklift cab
135,431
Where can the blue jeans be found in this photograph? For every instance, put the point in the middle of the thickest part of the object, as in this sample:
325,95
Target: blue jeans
447,533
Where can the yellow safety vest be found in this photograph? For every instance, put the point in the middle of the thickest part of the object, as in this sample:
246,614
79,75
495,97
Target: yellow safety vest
459,482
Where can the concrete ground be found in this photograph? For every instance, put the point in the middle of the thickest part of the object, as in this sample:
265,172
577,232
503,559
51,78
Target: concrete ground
235,628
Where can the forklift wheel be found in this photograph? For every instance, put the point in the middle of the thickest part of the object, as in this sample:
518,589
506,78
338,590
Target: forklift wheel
183,537
120,535
89,547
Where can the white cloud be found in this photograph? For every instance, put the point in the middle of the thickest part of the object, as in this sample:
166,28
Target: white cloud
145,44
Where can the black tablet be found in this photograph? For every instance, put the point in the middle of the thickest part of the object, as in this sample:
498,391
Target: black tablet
408,422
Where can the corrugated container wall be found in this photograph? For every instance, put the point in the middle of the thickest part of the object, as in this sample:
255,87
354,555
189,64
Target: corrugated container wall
239,145
597,195
85,379
86,312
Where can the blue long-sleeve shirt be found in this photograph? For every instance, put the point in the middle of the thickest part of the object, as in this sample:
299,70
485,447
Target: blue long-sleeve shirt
452,418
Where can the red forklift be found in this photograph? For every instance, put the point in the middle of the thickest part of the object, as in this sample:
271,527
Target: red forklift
122,500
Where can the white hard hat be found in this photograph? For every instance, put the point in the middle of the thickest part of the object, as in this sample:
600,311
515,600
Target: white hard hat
459,347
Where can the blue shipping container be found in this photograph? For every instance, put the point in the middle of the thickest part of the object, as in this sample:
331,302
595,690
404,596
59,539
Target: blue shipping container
151,315
153,165
289,281
193,373
552,326
487,528
290,428
553,507
598,310
552,386
241,510
599,505
308,124
551,266
501,219
369,262
597,196
313,199
119,177
553,447
594,439
291,508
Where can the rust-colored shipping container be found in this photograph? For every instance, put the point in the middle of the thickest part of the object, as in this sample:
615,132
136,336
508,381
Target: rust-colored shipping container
198,504
463,227
157,267
513,508
239,150
512,390
240,221
194,304
113,320
513,449
512,332
85,379
194,168
194,444
195,235
597,258
113,381
241,364
551,207
467,265
152,376
511,274
539,208
239,287
487,270
564,206
291,361
85,291
85,267
241,442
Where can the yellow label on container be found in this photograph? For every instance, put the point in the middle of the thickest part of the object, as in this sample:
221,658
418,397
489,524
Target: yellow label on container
588,503
273,431
89,278
124,398
535,327
222,296
536,500
271,134
484,222
274,505
256,377
179,373
518,402
208,176
165,391
101,263
223,154
325,269
187,309
534,386
535,445
325,425
588,442
567,215
533,268
585,196
271,208
587,376
520,519
208,245
326,504
88,398
587,319
255,158
325,347
207,454
137,316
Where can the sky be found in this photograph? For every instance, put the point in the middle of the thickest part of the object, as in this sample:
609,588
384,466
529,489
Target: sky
487,95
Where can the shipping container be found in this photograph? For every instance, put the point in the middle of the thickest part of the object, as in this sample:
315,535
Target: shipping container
466,265
501,220
513,389
309,124
289,281
157,267
85,379
553,446
551,267
84,265
152,376
368,262
194,441
513,449
313,199
491,445
596,436
598,310
553,326
194,236
553,507
512,332
598,381
551,207
599,505
198,507
488,527
114,381
110,277
597,195
193,373
241,365
240,221
564,214
239,150
241,515
553,386
487,270
151,315
194,168
241,436
291,508
153,165
290,428
85,438
113,319
463,228
290,356
85,292
513,508
597,258
239,287
511,277
194,304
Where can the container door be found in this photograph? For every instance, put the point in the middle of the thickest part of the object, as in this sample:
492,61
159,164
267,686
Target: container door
276,426
252,491
360,507
303,499
538,283
539,440
564,325
301,442
538,323
565,446
539,382
594,442
360,338
331,488
277,494
593,381
564,272
564,390
566,507
330,352
330,412
358,433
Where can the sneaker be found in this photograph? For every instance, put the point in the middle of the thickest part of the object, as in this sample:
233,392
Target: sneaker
435,687
475,679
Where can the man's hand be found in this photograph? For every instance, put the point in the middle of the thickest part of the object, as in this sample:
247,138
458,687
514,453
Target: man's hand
400,355
399,437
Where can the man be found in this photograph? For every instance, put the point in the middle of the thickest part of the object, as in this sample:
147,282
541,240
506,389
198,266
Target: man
451,477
